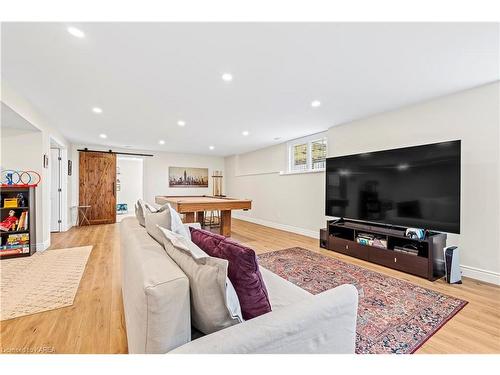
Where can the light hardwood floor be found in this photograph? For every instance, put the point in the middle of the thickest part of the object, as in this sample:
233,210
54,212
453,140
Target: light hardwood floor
95,322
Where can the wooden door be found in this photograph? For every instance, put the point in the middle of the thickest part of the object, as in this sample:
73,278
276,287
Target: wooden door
98,186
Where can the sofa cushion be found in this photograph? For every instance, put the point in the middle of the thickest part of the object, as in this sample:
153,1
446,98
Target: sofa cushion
212,294
153,220
243,271
176,224
282,292
166,206
141,208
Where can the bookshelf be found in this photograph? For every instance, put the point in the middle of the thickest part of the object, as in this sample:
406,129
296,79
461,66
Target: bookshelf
20,238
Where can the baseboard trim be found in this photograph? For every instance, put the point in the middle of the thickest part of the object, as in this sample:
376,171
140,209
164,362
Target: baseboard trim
42,246
285,227
66,227
480,274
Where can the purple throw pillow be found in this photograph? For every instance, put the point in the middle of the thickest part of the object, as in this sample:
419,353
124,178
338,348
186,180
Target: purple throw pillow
205,240
243,271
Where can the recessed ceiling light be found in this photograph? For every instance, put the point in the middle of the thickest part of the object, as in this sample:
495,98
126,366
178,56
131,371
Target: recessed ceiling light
181,123
76,32
315,103
245,133
277,138
211,147
161,141
103,136
228,77
97,110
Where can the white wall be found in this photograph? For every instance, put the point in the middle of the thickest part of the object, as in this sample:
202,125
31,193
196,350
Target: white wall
472,116
296,202
25,109
155,171
131,177
292,202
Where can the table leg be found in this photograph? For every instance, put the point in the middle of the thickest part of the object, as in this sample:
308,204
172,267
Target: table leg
189,217
200,217
225,223
84,217
85,212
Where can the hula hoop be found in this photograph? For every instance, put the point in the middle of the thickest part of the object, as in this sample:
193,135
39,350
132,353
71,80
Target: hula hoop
34,175
21,178
11,172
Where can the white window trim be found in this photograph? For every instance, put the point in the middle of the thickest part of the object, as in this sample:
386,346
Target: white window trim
309,140
319,170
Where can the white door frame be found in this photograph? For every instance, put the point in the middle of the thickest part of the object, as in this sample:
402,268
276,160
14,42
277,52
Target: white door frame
55,162
63,177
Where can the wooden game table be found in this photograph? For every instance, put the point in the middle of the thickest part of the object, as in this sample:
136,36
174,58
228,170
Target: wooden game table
191,205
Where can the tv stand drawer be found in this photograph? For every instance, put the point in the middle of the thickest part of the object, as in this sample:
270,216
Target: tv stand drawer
403,262
347,247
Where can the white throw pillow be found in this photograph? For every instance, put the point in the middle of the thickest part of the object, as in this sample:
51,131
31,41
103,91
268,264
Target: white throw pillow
153,221
141,209
176,224
214,302
164,207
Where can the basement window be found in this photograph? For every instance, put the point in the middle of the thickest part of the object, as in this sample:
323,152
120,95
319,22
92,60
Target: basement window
307,154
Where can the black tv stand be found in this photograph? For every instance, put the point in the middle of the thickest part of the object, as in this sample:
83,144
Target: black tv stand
389,247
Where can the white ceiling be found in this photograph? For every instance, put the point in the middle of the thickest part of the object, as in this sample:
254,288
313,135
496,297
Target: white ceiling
12,120
147,76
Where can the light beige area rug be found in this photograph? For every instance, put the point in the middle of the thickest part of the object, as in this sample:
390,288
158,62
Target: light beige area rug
45,281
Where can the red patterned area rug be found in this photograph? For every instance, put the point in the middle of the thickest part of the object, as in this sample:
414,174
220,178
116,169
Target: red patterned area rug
394,316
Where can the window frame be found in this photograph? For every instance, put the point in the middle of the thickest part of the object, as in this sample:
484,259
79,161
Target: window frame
309,140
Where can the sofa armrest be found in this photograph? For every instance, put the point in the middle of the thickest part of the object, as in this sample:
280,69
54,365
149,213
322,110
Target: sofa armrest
324,323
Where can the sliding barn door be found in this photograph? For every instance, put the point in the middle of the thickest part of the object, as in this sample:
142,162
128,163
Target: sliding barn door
97,186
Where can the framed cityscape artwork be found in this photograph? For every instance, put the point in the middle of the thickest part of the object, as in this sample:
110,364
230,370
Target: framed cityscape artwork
180,177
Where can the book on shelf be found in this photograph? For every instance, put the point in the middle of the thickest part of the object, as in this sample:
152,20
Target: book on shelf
13,251
22,223
18,239
371,240
15,246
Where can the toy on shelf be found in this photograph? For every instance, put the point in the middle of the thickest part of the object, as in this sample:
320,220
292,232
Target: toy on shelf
10,222
22,200
10,203
121,208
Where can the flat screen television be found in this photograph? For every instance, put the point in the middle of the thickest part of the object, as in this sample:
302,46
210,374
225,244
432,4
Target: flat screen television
415,187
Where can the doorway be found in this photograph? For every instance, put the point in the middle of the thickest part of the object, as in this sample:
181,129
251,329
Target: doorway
129,185
55,190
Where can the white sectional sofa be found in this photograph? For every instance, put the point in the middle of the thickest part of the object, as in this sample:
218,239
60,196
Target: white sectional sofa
157,309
